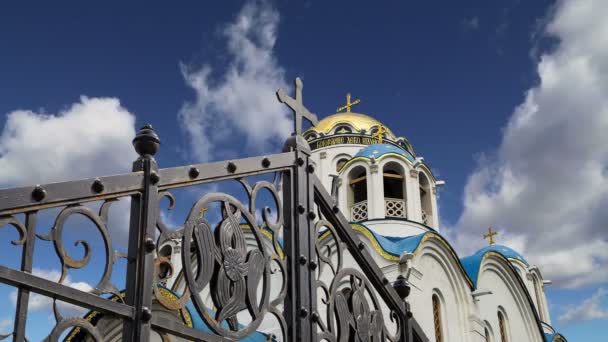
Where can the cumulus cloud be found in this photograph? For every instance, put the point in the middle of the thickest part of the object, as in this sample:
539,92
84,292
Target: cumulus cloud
90,138
588,309
42,303
238,99
547,187
6,326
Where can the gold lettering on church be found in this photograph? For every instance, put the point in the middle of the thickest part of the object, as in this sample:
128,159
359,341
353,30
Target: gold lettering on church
342,140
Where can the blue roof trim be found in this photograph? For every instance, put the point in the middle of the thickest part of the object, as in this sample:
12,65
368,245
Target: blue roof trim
472,263
396,246
379,150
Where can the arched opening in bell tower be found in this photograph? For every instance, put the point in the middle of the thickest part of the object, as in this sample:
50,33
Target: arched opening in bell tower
357,193
395,194
425,199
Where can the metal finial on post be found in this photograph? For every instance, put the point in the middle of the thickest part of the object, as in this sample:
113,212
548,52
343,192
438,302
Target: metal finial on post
297,106
402,287
146,142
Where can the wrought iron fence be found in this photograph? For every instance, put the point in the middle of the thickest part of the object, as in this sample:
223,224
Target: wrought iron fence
236,266
235,273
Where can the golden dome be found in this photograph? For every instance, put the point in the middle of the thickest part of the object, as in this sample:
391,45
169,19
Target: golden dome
357,121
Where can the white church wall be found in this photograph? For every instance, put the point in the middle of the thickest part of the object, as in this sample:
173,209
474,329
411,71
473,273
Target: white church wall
435,270
510,298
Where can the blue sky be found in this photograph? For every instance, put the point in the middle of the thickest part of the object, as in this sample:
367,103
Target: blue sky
504,99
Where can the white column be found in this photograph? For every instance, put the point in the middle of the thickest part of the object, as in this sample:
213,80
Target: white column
435,220
375,193
343,195
414,207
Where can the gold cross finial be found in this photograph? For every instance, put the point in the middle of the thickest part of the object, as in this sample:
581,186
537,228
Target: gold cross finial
380,133
490,235
348,104
203,211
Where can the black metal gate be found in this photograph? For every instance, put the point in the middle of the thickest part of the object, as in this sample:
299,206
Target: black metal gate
302,266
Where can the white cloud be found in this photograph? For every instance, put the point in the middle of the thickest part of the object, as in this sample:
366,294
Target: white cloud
42,303
588,309
547,186
90,138
6,326
241,101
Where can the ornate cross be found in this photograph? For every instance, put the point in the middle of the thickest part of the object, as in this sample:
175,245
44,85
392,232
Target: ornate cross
380,133
348,104
297,107
490,235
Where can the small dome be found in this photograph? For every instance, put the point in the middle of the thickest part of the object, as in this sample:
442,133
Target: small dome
379,150
472,263
357,121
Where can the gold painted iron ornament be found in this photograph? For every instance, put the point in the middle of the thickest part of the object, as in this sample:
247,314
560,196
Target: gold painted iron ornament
380,133
202,213
490,235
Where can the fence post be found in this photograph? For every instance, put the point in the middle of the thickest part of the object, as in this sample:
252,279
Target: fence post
142,242
298,204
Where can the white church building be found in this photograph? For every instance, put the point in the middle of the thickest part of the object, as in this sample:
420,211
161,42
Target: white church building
390,195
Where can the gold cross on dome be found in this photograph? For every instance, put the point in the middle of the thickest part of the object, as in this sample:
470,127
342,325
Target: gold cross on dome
490,235
348,104
380,133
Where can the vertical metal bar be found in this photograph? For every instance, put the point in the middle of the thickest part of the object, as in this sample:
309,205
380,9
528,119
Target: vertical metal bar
299,309
23,295
289,212
311,246
140,266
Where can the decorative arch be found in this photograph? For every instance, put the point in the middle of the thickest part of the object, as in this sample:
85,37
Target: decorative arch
439,316
340,161
395,190
497,264
503,325
357,193
488,332
539,295
458,283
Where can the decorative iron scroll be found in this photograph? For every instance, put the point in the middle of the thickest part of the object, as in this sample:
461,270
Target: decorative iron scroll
219,260
351,307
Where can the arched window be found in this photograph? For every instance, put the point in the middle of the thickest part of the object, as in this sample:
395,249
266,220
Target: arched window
340,164
502,326
487,333
394,191
357,193
437,319
425,199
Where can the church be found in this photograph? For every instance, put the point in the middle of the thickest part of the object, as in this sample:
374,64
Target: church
388,192
390,195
